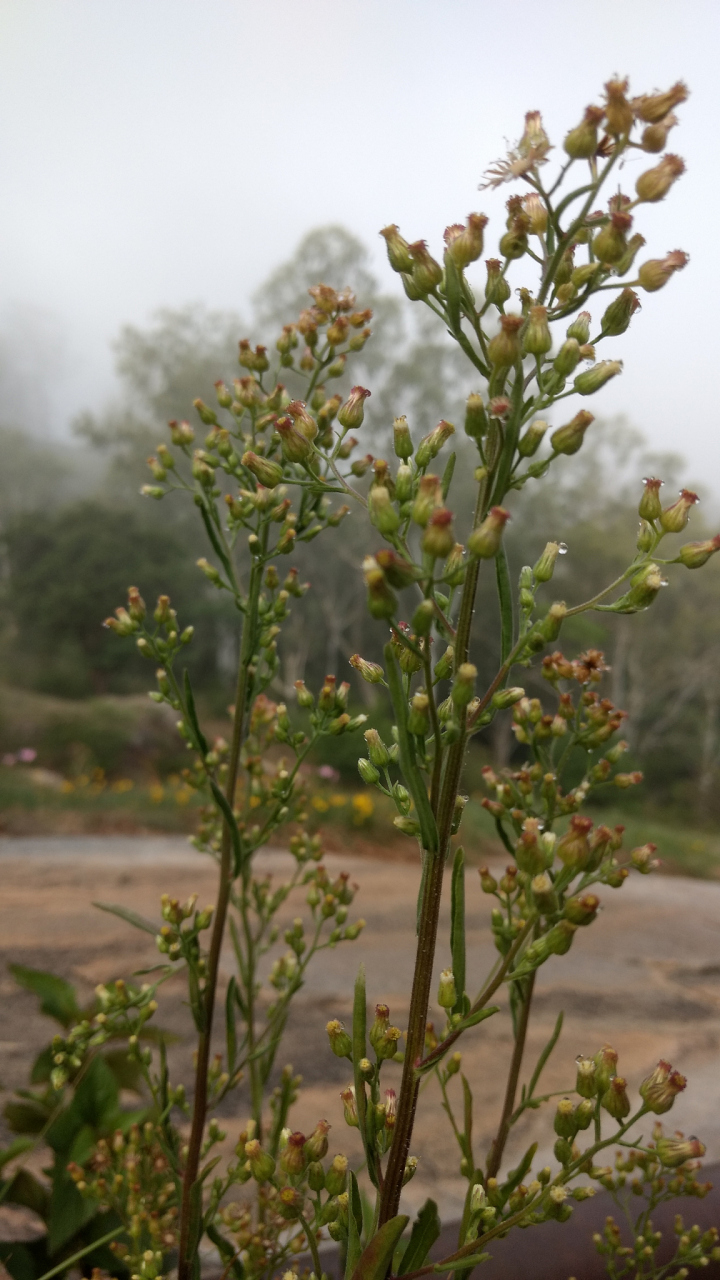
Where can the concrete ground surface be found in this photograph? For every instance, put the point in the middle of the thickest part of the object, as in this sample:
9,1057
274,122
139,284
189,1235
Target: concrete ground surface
645,977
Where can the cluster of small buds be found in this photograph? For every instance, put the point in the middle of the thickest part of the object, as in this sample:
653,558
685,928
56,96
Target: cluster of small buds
328,712
179,940
130,1174
329,900
163,642
121,1010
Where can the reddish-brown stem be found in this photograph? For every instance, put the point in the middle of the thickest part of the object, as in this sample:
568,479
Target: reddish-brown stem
186,1247
498,1142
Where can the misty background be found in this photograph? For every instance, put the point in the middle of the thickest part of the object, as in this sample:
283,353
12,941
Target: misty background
175,176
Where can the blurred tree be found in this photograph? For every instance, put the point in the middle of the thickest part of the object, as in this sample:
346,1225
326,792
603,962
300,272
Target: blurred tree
67,570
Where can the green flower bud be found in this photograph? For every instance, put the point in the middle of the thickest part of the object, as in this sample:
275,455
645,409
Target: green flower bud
351,414
402,439
463,689
398,250
582,910
447,993
438,539
615,1100
497,289
504,348
336,1176
419,714
619,314
544,894
564,1124
529,443
567,358
581,143
431,444
295,445
423,618
371,672
507,697
475,417
695,554
465,244
484,541
262,1165
382,512
674,519
650,507
267,472
537,339
382,603
444,665
610,244
340,1042
316,1176
568,439
573,848
429,496
673,1152
655,273
660,1089
592,380
426,272
586,1083
545,566
377,751
654,184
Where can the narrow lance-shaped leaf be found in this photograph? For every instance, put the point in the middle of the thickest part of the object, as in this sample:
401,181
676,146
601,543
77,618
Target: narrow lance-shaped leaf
354,1247
506,603
377,1256
425,1231
192,714
130,917
413,777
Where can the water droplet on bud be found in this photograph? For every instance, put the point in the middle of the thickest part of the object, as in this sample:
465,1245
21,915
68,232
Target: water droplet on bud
563,549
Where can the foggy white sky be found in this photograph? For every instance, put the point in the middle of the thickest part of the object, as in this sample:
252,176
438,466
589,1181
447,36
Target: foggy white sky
154,152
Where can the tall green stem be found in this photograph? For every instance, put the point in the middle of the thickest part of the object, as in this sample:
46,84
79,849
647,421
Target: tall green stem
188,1247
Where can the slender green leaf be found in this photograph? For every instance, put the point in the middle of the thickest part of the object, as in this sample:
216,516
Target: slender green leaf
376,1256
473,1018
545,1055
217,545
452,289
413,777
359,1033
67,1263
425,1231
57,997
448,474
506,603
457,926
467,1264
130,917
227,1253
354,1246
192,714
515,1176
467,1119
232,825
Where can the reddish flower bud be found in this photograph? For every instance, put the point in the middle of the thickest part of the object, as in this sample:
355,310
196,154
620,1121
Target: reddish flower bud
573,848
382,603
605,1066
695,554
618,111
426,272
293,1159
660,1089
269,473
657,271
439,539
295,445
653,107
429,496
398,250
569,438
497,289
350,416
615,1100
675,1151
537,339
650,507
465,244
618,315
582,141
484,541
654,184
674,519
504,348
399,572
